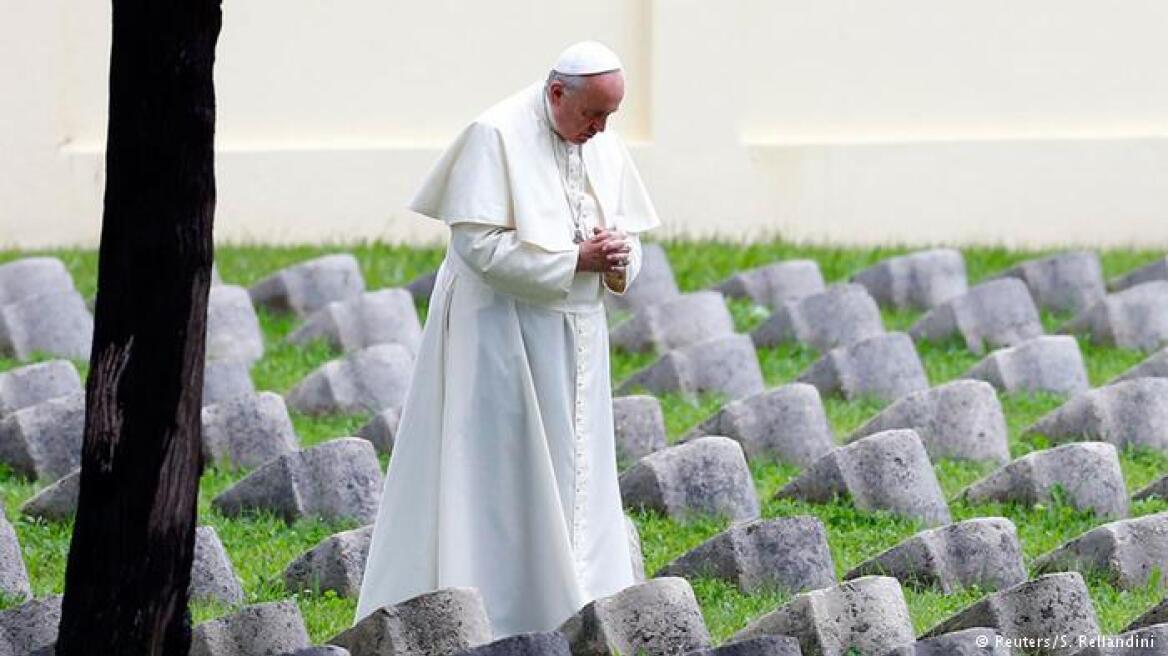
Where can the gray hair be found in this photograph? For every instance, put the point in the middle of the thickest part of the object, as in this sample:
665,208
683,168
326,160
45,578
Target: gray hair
571,82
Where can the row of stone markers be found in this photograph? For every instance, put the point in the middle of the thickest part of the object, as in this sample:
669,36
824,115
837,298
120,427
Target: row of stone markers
924,280
888,469
866,614
701,353
962,419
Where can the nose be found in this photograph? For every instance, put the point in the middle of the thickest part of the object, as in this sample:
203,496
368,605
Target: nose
599,125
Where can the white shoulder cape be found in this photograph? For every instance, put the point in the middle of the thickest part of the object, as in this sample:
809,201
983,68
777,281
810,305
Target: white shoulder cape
501,170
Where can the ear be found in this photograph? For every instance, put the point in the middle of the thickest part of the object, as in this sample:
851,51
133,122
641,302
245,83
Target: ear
556,91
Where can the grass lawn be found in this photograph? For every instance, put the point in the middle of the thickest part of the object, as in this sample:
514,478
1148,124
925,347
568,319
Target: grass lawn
261,546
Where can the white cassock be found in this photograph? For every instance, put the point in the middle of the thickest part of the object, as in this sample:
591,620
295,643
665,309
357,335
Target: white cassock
503,473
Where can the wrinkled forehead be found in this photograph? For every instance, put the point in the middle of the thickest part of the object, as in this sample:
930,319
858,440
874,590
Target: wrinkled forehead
605,91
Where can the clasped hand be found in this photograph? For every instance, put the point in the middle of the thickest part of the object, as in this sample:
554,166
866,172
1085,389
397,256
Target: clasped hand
607,251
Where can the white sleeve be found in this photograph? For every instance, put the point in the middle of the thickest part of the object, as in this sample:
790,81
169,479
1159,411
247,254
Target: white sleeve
619,284
512,266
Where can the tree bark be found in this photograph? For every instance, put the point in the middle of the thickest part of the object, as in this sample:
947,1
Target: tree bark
128,573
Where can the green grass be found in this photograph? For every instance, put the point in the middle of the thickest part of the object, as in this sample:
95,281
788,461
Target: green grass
260,545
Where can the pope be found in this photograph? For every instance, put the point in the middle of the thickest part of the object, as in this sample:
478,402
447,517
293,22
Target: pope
503,472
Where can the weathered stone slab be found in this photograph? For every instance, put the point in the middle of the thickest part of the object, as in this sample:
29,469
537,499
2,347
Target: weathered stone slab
233,329
921,280
58,501
981,552
1088,473
962,420
967,642
30,627
636,555
423,286
993,314
885,367
767,645
1048,606
212,576
1135,318
382,429
1157,614
369,380
1048,363
544,643
1155,366
886,471
868,614
385,316
1066,282
1128,551
638,426
43,441
1148,641
788,553
270,628
1132,412
776,283
837,316
247,431
674,323
56,324
13,574
660,617
308,286
708,476
654,282
340,478
787,423
725,365
336,563
33,276
1156,270
224,380
32,384
439,623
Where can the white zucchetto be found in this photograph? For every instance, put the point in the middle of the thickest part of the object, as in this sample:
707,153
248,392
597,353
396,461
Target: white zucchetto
587,58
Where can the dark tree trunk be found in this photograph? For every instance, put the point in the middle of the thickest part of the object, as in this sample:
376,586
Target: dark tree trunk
133,541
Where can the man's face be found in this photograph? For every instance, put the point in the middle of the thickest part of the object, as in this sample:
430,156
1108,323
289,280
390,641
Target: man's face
580,114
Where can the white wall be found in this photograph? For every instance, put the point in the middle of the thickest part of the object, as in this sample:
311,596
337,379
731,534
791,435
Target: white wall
917,121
